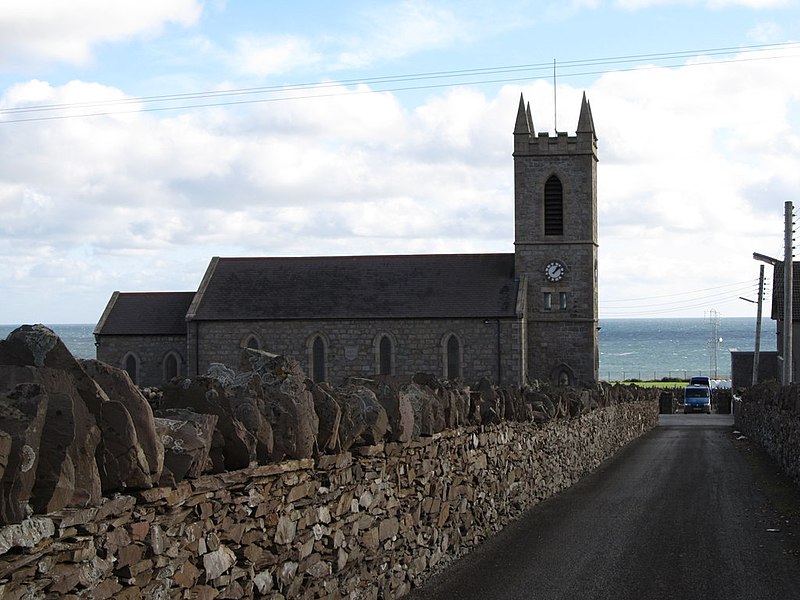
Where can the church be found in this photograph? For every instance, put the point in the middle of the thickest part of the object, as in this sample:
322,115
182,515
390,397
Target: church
510,317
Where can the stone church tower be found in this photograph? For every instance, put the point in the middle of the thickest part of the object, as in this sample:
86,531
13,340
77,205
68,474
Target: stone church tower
555,224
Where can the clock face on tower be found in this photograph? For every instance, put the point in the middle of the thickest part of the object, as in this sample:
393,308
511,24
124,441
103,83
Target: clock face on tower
554,270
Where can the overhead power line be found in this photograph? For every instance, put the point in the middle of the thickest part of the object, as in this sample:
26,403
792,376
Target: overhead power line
396,83
680,301
684,293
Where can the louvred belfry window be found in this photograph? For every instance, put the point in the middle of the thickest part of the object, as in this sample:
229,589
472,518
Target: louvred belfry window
553,207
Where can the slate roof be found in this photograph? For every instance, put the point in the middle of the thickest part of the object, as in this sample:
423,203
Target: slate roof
145,313
406,286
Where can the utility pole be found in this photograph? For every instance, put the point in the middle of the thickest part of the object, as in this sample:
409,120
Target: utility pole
788,285
758,323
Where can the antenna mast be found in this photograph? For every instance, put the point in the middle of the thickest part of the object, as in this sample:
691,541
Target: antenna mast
713,343
555,99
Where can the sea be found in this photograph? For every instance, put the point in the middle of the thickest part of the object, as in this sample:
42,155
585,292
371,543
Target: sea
643,349
652,349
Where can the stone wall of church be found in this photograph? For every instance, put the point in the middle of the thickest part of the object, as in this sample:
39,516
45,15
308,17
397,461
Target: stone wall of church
369,524
149,350
572,343
352,346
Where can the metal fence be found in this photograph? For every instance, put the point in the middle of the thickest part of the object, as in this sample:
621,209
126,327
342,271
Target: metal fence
645,375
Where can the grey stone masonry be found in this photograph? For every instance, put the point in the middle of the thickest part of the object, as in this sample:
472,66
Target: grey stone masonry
352,346
768,414
368,524
562,312
149,352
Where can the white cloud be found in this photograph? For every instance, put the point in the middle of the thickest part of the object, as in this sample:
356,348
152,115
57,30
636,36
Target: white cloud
381,32
354,173
688,158
695,164
33,31
263,56
765,33
396,30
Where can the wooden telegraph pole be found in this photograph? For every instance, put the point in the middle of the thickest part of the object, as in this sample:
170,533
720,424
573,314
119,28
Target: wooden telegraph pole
787,295
758,323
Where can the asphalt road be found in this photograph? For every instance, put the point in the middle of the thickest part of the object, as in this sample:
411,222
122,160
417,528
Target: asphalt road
687,511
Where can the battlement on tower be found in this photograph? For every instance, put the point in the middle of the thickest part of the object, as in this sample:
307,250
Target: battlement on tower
528,143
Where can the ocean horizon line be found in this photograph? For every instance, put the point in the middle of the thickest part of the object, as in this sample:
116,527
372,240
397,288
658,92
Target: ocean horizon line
605,318
645,348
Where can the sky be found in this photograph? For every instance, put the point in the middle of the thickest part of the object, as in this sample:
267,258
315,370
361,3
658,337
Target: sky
140,139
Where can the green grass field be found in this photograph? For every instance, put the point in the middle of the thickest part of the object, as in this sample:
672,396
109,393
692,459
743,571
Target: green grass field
655,384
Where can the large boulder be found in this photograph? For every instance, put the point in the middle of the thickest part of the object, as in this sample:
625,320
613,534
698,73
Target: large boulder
36,346
98,437
245,398
422,401
364,421
451,409
187,438
124,462
329,413
117,384
490,405
288,403
398,408
540,406
235,447
514,406
67,474
22,417
463,404
247,407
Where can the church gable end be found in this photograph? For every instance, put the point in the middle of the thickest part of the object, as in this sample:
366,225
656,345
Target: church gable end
140,331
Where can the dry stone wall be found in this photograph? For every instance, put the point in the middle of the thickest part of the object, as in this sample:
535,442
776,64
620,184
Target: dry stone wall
770,415
259,483
371,523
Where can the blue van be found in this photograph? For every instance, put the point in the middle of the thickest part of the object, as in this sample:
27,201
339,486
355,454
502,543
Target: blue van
697,398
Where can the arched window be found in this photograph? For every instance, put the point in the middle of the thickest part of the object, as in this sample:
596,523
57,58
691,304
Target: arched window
171,366
553,207
453,353
562,375
385,356
131,365
252,342
318,360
